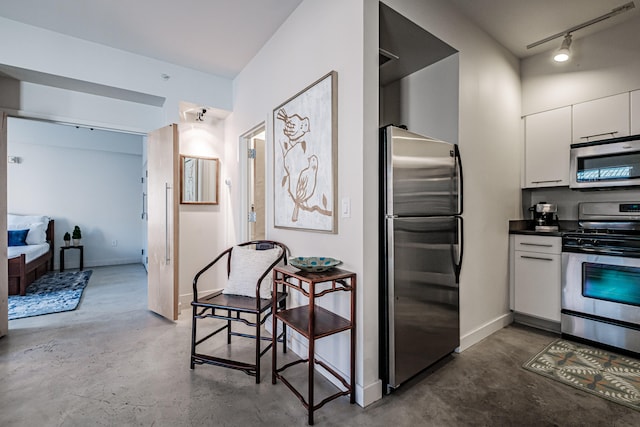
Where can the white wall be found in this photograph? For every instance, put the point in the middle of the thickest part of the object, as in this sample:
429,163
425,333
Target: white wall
489,139
79,177
604,63
296,56
202,227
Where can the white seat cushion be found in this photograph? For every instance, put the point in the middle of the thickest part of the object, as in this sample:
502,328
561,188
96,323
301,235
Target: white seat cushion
247,265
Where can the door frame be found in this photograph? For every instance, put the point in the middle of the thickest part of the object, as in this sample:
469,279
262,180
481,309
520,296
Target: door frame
243,148
4,303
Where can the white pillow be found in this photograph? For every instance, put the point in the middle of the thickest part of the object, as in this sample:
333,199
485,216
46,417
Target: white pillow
247,265
37,234
19,222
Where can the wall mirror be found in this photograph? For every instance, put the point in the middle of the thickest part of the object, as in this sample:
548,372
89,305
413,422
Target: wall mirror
199,180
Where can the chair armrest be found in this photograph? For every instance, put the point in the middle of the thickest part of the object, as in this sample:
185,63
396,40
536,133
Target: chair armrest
207,267
282,257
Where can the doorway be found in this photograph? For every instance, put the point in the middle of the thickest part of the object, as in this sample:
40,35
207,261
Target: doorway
79,176
254,184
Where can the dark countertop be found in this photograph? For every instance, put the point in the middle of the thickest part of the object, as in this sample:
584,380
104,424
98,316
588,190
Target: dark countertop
524,226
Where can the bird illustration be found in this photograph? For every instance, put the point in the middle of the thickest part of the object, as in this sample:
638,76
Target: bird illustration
306,185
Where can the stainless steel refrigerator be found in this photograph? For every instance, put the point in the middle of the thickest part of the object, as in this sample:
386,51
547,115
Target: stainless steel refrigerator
421,252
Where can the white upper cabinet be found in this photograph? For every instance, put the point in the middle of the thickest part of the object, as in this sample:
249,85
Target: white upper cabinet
547,143
601,118
635,112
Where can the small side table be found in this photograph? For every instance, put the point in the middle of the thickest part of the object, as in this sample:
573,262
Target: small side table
64,248
314,322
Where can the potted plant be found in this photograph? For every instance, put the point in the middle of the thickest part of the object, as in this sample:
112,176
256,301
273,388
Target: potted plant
67,239
77,235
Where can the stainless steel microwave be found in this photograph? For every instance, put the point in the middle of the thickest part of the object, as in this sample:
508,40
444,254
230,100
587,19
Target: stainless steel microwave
605,164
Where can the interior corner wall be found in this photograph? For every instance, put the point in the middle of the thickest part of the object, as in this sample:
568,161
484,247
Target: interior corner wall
79,177
316,38
426,101
202,227
489,139
602,64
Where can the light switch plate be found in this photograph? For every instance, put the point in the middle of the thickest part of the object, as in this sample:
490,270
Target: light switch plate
346,207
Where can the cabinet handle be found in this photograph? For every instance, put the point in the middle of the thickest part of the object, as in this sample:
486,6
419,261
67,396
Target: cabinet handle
544,245
549,180
535,257
599,134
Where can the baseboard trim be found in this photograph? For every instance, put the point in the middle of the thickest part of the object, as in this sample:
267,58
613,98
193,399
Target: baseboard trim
535,322
483,331
93,263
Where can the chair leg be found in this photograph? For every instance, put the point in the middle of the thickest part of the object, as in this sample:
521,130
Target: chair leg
228,327
258,340
193,336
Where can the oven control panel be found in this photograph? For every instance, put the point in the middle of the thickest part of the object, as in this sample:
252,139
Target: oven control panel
630,207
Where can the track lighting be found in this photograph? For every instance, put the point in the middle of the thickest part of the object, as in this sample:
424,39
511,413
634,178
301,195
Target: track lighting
564,53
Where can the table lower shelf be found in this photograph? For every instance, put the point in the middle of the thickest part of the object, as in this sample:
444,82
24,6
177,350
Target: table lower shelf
325,322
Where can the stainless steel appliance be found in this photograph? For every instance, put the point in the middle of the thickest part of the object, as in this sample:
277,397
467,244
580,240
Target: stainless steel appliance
545,217
421,253
608,163
601,275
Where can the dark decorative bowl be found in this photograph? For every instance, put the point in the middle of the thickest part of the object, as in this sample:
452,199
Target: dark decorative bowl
314,263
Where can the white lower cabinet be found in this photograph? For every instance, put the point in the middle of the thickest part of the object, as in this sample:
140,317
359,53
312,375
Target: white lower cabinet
537,267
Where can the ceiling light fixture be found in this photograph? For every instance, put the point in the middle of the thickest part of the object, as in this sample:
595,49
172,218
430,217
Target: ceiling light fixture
564,53
567,33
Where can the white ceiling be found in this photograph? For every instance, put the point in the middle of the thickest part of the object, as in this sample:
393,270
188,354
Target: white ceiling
214,36
518,23
221,36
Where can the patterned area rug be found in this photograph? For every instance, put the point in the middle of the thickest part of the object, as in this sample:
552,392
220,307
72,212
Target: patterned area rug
605,374
51,293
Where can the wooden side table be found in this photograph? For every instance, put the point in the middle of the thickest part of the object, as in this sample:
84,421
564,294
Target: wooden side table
64,248
314,322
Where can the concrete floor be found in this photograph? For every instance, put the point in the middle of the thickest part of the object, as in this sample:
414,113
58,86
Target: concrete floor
113,363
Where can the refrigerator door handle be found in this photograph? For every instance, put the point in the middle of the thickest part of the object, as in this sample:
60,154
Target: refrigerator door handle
458,265
460,180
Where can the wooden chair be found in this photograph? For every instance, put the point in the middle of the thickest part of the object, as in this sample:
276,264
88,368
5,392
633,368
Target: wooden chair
252,310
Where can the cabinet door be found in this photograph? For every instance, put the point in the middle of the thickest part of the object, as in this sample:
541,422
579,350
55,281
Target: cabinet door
537,284
547,144
601,118
635,112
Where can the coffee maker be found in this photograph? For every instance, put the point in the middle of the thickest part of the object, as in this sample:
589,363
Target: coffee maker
544,216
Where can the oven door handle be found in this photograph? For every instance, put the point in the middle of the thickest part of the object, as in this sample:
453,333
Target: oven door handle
601,251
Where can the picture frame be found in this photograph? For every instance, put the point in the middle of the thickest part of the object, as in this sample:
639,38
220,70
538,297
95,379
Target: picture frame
305,158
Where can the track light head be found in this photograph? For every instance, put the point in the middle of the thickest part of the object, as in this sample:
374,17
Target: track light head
564,53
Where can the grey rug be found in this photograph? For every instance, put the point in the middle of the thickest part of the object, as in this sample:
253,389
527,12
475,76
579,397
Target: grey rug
612,376
52,293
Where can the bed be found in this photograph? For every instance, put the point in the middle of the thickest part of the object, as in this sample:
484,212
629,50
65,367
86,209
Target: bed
31,258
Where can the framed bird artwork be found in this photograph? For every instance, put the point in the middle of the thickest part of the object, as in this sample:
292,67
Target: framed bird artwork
305,158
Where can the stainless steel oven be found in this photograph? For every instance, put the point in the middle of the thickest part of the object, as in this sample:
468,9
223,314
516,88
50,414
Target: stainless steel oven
603,164
601,276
